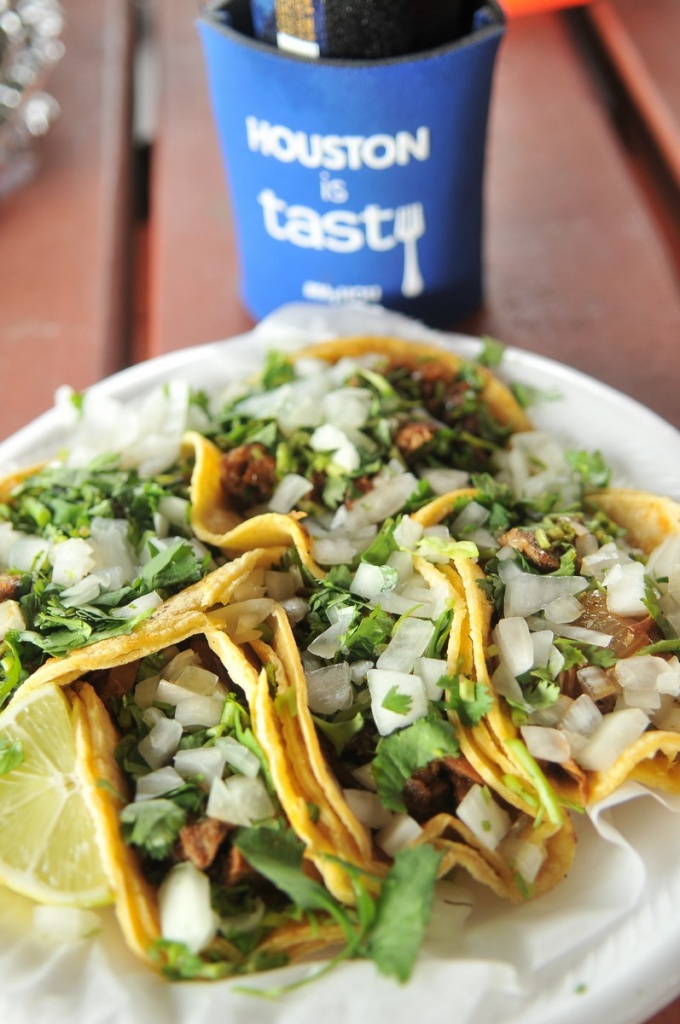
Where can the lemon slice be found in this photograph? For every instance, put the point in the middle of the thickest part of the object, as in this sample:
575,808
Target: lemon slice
48,836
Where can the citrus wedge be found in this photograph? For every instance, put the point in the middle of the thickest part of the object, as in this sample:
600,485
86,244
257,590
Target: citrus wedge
48,837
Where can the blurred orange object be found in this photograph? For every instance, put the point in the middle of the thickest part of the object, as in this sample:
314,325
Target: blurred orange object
515,7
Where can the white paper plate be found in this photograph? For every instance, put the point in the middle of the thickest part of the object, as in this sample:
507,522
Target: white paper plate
605,945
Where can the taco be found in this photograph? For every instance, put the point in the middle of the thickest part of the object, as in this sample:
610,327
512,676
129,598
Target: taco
202,806
345,433
185,797
376,704
576,612
223,854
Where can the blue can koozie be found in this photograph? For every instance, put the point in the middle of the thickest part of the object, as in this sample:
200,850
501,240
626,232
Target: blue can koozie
351,179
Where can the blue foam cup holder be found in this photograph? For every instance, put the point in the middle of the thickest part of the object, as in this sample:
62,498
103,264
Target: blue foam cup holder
350,179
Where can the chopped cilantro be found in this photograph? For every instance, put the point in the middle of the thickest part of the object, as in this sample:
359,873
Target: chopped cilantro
398,703
152,825
471,707
172,566
492,352
403,911
402,753
278,370
590,466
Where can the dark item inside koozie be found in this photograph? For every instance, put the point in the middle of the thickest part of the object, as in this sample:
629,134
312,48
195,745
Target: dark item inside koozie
355,179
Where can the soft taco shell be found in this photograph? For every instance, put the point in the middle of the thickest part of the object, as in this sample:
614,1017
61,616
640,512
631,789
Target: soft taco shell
647,520
497,395
136,900
215,523
175,620
287,718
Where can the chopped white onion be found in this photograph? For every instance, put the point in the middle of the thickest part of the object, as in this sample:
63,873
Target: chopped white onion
174,509
199,710
537,465
288,492
408,532
402,561
625,586
7,537
431,671
552,714
408,642
546,744
327,438
472,515
333,550
525,857
542,641
443,481
326,644
598,562
11,617
595,682
298,411
83,592
528,592
145,603
347,457
415,598
280,586
381,683
505,685
112,549
582,716
515,647
242,619
170,693
347,407
669,681
178,662
329,689
198,679
145,692
556,661
664,560
564,609
157,782
238,756
369,580
161,742
239,800
364,776
615,733
384,499
648,700
207,762
72,560
358,670
366,806
587,636
483,816
400,832
295,608
27,552
640,672
151,715
185,910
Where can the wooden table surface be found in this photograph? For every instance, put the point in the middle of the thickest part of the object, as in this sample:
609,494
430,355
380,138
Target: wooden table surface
118,252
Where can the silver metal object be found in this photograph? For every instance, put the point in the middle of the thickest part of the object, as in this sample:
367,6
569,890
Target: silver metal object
30,46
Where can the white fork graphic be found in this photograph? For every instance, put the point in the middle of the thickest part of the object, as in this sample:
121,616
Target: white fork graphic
409,226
